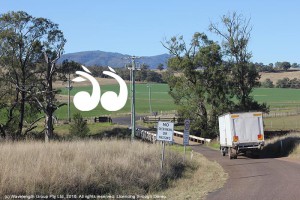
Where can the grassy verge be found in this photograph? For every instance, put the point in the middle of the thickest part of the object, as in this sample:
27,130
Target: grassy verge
86,167
214,144
282,146
200,179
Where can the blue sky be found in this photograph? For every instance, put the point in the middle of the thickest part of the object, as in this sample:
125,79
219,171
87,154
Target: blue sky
137,27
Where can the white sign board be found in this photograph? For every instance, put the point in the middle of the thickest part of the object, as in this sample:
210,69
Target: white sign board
165,131
186,133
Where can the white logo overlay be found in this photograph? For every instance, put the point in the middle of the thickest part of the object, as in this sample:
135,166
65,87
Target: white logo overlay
110,101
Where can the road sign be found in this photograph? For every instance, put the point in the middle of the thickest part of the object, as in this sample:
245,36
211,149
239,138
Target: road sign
165,131
187,124
186,133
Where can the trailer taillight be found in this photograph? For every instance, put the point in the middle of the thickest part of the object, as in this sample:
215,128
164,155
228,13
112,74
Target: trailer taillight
235,138
260,137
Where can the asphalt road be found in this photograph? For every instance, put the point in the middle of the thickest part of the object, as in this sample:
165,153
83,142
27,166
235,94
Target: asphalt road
250,178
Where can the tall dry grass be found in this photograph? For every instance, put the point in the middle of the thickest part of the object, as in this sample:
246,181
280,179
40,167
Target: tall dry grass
279,146
85,167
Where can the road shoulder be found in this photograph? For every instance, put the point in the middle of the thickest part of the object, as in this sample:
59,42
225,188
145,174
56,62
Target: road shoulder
207,178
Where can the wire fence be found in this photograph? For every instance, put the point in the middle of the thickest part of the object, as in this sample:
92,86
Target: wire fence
281,114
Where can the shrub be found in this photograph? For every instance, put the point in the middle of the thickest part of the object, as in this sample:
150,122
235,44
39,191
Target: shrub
283,83
79,127
287,83
267,83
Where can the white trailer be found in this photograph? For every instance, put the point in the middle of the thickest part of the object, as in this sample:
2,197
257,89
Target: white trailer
240,133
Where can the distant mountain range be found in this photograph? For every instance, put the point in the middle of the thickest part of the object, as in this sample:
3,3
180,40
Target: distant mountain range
102,58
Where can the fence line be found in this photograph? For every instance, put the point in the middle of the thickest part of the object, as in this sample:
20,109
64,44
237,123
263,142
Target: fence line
280,114
151,119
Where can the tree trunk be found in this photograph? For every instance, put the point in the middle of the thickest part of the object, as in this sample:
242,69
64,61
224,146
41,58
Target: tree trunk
22,107
49,129
49,107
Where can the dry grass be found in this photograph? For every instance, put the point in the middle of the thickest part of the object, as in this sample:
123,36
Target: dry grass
208,177
85,167
279,75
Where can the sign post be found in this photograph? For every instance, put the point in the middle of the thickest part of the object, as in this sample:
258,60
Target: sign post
186,135
165,132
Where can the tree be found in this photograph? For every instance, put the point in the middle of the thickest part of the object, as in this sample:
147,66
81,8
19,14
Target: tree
283,83
27,43
141,75
267,83
50,106
285,65
153,76
20,35
202,83
160,66
235,33
295,65
96,71
69,67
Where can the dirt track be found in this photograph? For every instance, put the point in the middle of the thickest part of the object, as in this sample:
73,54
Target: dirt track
249,178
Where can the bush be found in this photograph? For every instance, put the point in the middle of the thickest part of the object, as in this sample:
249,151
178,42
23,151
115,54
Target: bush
267,83
283,83
287,83
79,127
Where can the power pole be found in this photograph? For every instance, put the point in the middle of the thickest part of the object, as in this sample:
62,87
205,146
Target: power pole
69,100
149,86
132,75
69,87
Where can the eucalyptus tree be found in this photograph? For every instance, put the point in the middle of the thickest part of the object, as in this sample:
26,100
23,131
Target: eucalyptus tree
30,47
198,82
235,31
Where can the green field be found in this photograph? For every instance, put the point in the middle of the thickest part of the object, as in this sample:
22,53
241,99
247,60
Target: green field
160,100
280,100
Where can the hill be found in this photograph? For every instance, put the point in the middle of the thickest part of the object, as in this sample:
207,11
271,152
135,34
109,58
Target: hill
102,58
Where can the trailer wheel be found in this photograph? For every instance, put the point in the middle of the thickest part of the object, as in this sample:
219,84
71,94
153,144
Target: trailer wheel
230,153
223,152
235,153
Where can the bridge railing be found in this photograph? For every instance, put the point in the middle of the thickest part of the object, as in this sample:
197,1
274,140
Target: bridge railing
146,135
151,137
193,138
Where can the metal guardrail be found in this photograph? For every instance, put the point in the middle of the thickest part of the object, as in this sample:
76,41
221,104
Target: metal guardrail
151,137
146,135
192,137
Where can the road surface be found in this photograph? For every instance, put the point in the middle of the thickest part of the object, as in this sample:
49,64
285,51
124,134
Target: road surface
249,178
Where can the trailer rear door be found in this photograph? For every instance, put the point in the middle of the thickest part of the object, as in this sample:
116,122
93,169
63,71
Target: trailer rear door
247,128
